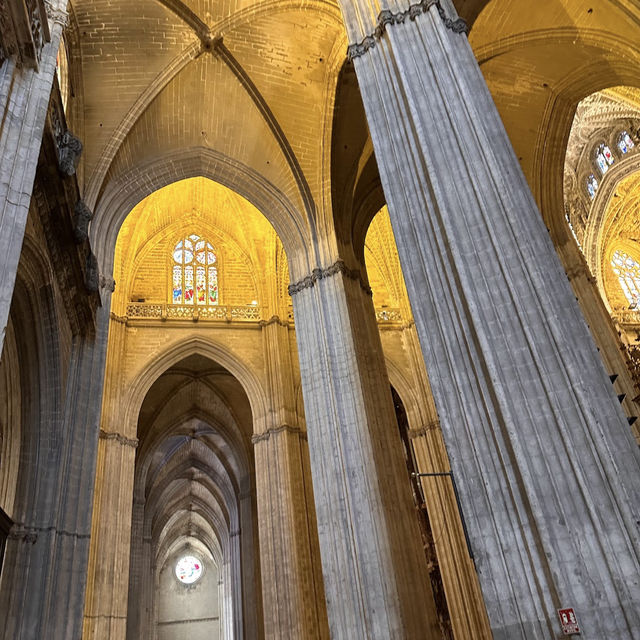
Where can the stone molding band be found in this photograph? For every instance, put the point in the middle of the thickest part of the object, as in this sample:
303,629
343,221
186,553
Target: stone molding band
387,18
260,437
128,442
320,274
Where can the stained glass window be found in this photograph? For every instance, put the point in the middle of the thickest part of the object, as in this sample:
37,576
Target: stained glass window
628,272
188,569
625,143
592,186
604,158
195,272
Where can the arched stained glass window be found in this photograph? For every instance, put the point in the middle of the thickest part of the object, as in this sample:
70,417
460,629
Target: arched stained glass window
628,272
592,186
625,143
195,272
604,158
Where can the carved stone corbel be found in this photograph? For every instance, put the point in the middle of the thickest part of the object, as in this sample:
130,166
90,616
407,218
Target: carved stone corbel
92,276
107,283
81,219
69,151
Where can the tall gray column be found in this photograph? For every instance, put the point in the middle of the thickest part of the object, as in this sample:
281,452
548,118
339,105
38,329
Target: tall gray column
547,466
24,99
374,568
45,571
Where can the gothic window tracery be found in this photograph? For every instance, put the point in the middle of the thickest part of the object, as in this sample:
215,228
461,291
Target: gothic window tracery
194,272
592,186
625,143
628,272
604,158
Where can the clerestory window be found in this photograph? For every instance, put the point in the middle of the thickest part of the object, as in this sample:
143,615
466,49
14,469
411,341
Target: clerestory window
194,272
604,158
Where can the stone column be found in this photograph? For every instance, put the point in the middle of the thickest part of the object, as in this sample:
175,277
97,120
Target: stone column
45,573
108,575
141,578
251,600
375,574
462,588
24,99
548,468
292,590
106,606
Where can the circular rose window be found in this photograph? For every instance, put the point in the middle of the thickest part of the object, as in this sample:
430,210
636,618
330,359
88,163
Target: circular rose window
188,569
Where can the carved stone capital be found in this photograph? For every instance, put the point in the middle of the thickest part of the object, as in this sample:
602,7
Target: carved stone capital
118,437
107,283
387,18
23,534
261,437
320,274
56,14
273,320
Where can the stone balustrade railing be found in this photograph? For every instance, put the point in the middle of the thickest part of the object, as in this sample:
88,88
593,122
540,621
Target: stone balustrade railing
627,316
224,313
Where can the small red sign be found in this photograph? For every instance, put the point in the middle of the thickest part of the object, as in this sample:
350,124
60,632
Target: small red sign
568,621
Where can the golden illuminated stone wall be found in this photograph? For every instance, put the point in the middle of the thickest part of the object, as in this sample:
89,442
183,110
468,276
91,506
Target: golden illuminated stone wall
252,265
245,244
383,266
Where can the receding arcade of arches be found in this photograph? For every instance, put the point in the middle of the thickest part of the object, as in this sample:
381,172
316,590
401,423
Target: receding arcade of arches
222,353
211,454
194,497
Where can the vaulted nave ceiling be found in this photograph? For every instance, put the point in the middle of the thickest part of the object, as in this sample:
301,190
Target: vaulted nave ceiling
154,83
255,82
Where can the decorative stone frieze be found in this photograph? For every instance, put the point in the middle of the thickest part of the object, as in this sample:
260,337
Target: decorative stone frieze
319,274
387,17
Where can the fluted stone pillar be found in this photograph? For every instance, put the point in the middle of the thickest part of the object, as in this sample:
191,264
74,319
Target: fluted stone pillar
464,599
106,606
108,574
24,99
292,589
374,568
45,570
547,466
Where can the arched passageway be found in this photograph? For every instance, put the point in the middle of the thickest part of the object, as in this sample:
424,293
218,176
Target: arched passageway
194,497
